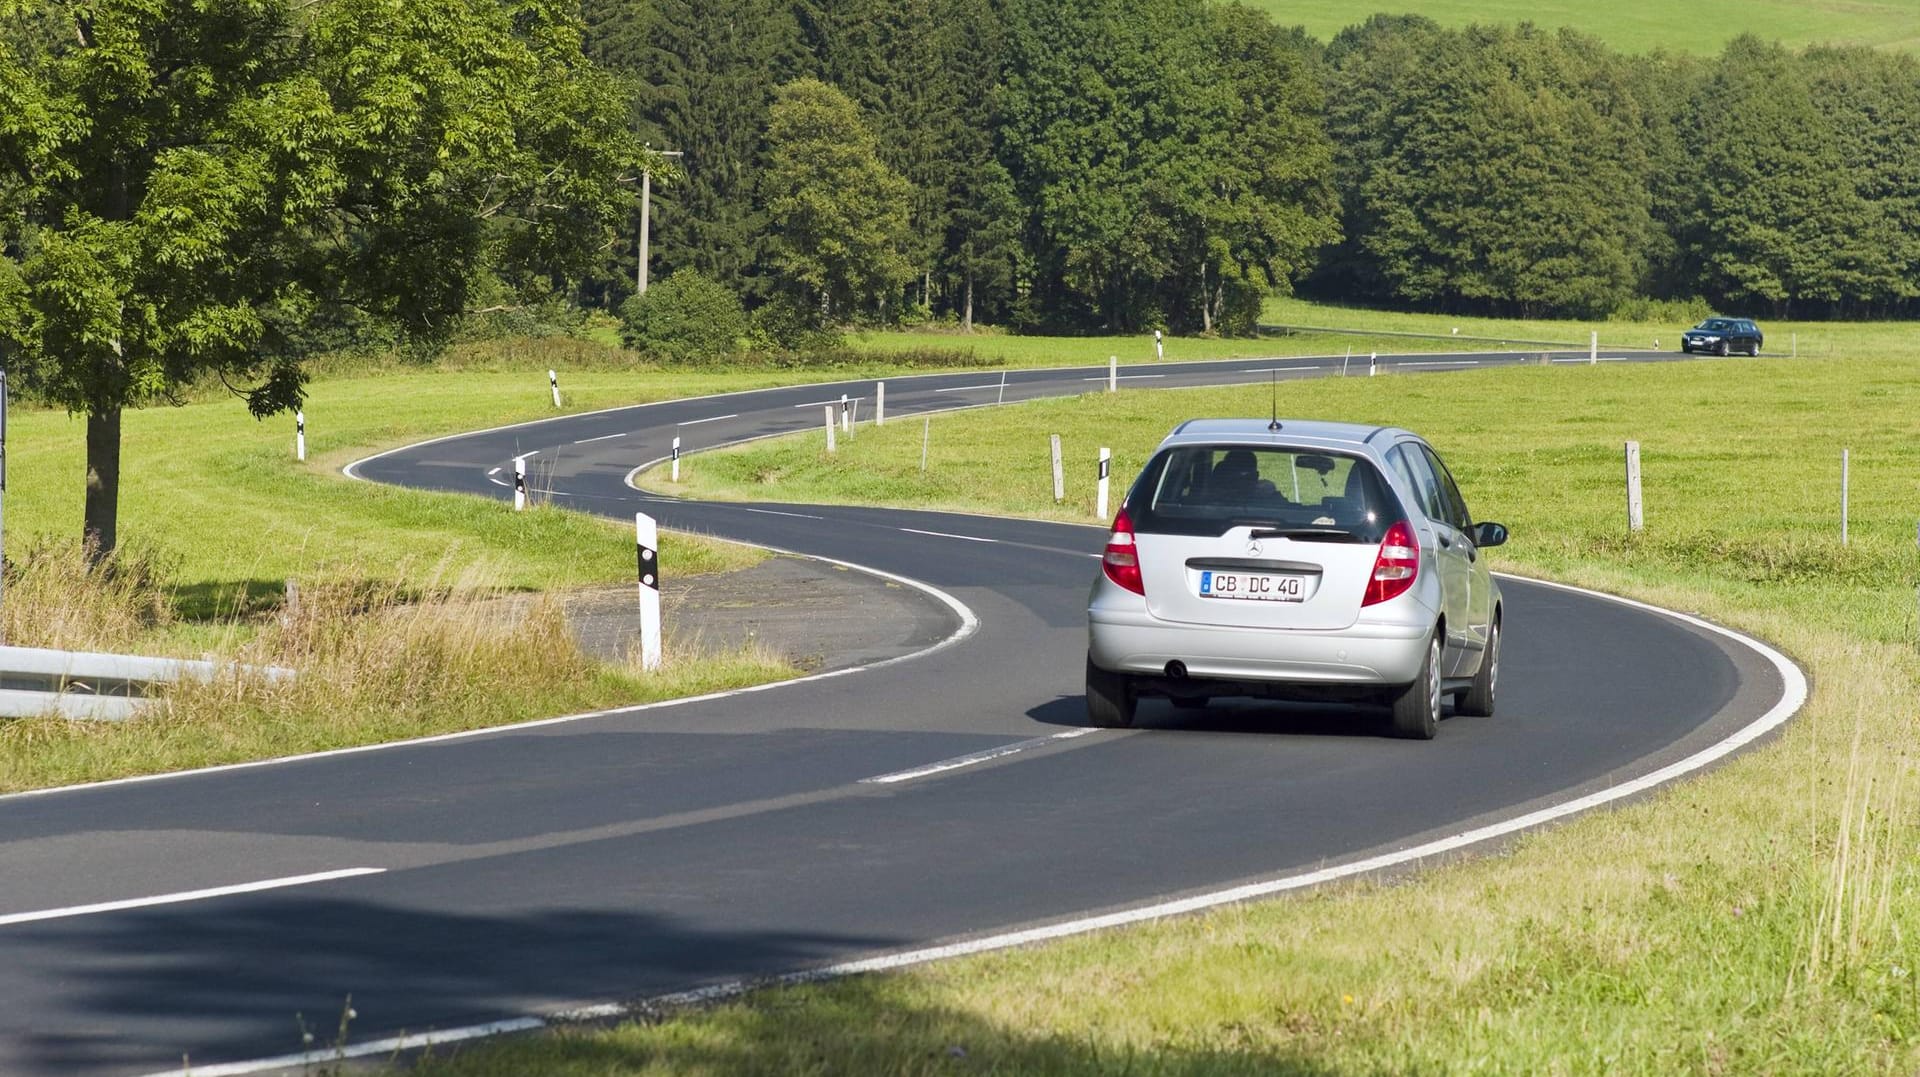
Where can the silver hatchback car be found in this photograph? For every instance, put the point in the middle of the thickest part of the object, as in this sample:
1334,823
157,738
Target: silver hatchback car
1295,560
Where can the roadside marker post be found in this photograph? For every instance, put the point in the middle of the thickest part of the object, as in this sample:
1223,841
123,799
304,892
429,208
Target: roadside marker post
831,447
1159,346
926,434
553,382
1373,363
676,459
646,541
1106,466
1636,516
1593,348
1113,373
845,423
1844,475
1059,479
519,484
880,403
300,435
853,417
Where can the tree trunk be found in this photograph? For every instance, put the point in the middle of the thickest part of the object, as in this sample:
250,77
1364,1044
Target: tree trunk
101,528
966,319
1206,308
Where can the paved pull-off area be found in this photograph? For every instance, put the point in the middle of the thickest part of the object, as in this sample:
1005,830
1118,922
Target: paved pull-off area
914,806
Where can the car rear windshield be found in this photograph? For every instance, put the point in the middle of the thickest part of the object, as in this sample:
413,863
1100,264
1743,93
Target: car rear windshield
1306,493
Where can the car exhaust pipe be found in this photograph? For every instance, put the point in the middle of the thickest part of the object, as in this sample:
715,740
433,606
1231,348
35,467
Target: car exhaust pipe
1177,670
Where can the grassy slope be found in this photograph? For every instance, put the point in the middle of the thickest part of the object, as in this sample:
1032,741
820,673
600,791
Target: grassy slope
1758,919
1643,25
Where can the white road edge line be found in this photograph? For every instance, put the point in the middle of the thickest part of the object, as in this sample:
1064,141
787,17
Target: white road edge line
795,515
184,896
1122,377
603,437
714,419
983,756
945,534
1437,362
1793,696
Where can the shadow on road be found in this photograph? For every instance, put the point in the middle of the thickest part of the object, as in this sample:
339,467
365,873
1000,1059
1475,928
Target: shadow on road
222,986
1251,716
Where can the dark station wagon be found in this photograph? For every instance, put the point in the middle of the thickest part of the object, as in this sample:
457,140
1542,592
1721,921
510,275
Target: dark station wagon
1723,336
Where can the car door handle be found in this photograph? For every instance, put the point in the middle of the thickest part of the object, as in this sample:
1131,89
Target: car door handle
1445,542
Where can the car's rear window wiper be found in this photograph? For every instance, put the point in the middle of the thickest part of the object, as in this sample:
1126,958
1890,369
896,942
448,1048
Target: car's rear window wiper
1312,534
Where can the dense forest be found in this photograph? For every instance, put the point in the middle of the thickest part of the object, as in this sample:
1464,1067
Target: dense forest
1081,165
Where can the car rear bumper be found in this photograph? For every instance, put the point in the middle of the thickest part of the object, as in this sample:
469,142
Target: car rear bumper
1127,641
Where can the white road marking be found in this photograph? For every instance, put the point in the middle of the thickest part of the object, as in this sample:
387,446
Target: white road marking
717,418
499,482
1123,377
824,403
184,896
603,437
776,512
973,758
1278,369
494,472
970,388
944,534
529,455
1439,362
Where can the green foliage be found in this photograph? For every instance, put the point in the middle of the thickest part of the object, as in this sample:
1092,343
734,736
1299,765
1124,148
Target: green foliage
837,215
1493,168
198,180
1169,150
687,316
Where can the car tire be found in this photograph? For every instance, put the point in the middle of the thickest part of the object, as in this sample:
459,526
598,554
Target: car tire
1416,709
1753,349
1477,700
1721,349
1110,698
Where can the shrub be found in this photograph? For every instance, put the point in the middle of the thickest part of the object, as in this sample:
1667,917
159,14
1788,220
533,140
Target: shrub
1676,311
687,316
782,324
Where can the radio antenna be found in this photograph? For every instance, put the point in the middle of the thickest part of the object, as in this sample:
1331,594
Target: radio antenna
1273,387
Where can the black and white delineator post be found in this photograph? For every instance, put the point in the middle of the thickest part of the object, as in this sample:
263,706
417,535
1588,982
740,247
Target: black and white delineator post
1373,363
1059,479
519,484
1106,466
553,382
1159,347
828,409
646,541
676,459
880,403
1636,514
1113,373
300,435
846,414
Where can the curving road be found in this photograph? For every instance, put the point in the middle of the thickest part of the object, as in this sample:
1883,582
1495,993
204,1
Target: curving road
483,878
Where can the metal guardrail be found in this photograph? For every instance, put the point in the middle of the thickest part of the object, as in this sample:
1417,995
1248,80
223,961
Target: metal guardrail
40,682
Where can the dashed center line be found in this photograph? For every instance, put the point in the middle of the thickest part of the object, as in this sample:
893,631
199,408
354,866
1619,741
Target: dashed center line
944,534
185,895
1123,377
1441,362
603,437
974,758
717,418
970,388
775,512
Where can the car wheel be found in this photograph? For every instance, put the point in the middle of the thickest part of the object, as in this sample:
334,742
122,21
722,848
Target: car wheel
1686,349
1721,348
1753,349
1110,698
1477,700
1416,710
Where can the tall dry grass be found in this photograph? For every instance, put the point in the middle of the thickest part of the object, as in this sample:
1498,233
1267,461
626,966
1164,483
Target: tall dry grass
55,597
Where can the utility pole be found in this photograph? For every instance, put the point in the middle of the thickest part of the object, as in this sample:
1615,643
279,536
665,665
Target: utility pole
646,214
3,482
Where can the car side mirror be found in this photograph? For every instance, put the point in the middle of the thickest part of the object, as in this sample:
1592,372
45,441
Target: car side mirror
1489,534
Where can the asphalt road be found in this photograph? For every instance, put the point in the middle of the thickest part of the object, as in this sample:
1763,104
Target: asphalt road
657,850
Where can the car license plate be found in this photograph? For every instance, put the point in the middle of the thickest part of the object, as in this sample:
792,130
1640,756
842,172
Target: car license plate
1257,586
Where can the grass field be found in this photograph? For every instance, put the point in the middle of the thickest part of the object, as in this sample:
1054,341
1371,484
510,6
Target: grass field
1760,919
1642,25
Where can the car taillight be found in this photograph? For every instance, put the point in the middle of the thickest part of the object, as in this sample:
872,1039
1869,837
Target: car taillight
1121,562
1396,566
